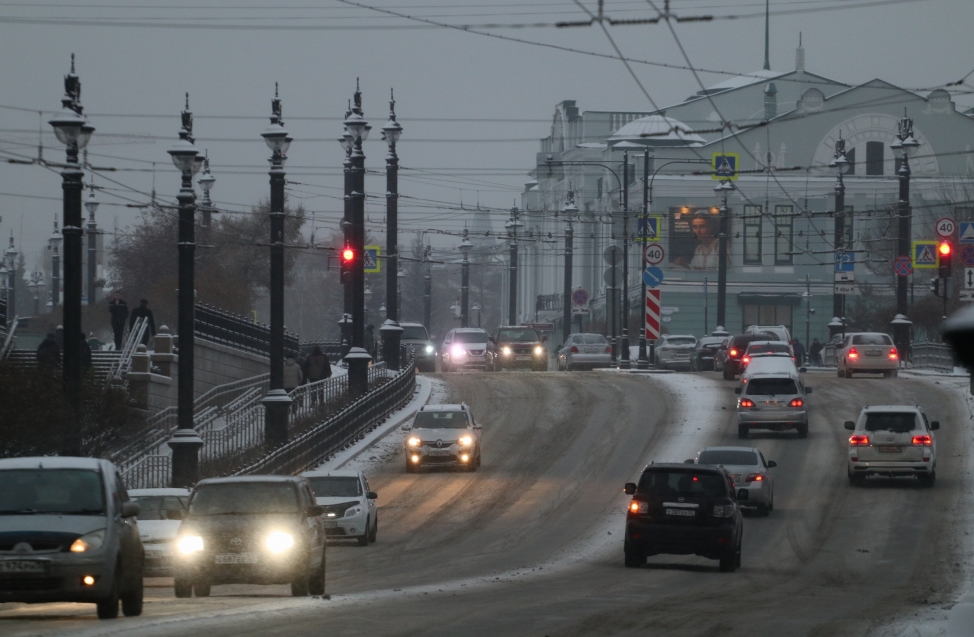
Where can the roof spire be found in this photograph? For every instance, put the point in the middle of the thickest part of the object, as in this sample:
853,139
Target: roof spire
800,55
767,35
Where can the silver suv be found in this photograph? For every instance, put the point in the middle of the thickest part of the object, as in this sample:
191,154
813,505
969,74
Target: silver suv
772,400
443,435
893,440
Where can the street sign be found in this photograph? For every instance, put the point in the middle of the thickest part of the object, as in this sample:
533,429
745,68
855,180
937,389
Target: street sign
925,255
653,254
946,227
902,266
967,255
652,228
845,261
845,277
969,278
579,309
966,234
612,255
652,277
966,295
652,313
372,263
580,297
845,288
725,166
607,277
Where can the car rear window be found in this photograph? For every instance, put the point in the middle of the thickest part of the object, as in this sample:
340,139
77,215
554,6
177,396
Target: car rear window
440,420
66,491
769,348
771,386
898,422
871,339
591,339
728,457
518,336
681,340
233,498
676,482
335,486
161,507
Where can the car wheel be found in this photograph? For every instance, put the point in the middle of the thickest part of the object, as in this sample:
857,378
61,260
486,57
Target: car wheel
763,510
410,467
771,503
633,558
803,431
316,583
856,479
363,540
375,530
299,585
929,479
182,587
742,432
202,588
728,563
108,607
478,459
132,600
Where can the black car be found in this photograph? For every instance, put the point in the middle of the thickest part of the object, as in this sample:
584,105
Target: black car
730,355
517,346
702,359
682,509
251,530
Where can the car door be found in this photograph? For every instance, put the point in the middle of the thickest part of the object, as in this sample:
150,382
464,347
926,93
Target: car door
370,502
129,542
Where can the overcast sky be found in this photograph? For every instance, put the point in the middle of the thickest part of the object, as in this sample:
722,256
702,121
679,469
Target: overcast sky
472,107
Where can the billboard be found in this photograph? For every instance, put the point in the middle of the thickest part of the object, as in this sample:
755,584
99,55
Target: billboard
693,237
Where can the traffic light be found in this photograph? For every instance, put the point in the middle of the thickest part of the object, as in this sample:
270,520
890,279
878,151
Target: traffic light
347,258
935,286
945,250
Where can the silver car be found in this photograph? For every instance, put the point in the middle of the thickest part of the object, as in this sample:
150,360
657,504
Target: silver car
749,471
160,512
584,350
893,440
348,503
443,435
415,335
772,400
675,351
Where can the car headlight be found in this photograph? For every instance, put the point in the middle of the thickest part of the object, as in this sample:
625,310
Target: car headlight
278,542
538,351
189,544
465,441
506,351
457,351
353,511
429,349
89,542
414,442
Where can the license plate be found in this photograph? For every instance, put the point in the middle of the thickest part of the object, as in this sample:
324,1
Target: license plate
772,403
523,357
874,352
687,513
154,555
440,452
331,524
591,350
890,449
17,566
237,558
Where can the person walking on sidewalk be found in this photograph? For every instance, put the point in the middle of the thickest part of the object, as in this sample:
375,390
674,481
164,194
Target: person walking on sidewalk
119,311
143,311
292,374
815,353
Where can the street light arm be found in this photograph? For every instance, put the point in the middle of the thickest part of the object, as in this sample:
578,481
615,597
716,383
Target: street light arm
584,163
675,161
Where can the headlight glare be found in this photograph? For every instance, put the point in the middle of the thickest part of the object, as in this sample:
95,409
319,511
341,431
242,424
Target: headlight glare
506,351
189,544
465,441
89,542
538,351
278,542
429,349
414,442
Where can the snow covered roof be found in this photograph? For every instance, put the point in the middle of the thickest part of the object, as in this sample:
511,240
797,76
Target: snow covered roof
656,130
746,79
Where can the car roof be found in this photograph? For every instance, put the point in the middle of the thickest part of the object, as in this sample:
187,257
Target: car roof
334,473
469,329
754,449
137,493
54,462
446,407
913,408
679,465
679,336
771,365
250,479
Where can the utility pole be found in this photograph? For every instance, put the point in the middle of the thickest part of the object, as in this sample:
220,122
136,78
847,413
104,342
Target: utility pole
625,364
54,244
570,211
465,246
643,361
512,296
345,323
92,206
427,289
840,163
723,189
908,144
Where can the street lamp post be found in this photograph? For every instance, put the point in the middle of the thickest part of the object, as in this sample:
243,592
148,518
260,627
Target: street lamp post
476,308
390,331
400,275
625,363
92,206
465,246
36,283
54,245
724,188
840,163
345,323
427,290
10,260
185,443
570,211
908,144
513,225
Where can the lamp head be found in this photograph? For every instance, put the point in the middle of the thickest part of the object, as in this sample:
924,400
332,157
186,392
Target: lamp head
92,204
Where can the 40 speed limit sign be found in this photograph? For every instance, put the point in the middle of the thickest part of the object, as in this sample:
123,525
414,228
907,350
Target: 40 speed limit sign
653,254
946,227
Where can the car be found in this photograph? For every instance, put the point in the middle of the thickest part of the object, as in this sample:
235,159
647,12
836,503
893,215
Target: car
160,512
867,352
748,470
893,440
704,355
68,533
730,356
759,349
517,346
415,335
779,332
674,351
774,400
443,436
584,350
251,530
829,349
464,348
770,365
347,502
682,509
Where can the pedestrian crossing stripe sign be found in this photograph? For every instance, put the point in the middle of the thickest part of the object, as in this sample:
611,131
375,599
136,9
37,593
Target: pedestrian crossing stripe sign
372,264
652,228
925,255
725,166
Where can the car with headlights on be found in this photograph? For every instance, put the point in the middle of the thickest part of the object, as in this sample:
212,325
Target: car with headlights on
584,351
867,352
464,348
517,346
160,513
704,355
347,503
68,533
772,399
443,436
414,335
251,530
682,509
893,441
748,469
674,351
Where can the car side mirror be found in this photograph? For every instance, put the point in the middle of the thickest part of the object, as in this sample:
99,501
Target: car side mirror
935,424
491,339
544,339
477,425
737,390
407,427
372,495
174,514
630,488
131,509
772,464
314,511
808,390
742,494
802,369
851,426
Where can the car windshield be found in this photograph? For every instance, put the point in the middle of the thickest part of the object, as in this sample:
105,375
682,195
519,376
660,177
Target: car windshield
590,339
335,486
440,420
871,339
232,498
675,483
65,491
161,507
771,386
518,336
470,337
897,422
768,348
414,332
728,457
681,340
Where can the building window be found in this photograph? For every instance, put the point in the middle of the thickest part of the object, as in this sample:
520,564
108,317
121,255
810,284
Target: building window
598,187
752,235
784,227
763,314
850,156
874,158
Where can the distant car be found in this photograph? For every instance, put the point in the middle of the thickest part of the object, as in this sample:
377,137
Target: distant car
584,350
748,470
348,505
68,533
893,440
867,352
251,530
517,346
674,351
682,509
443,435
464,348
415,335
729,358
774,400
704,356
160,513
770,365
779,332
758,349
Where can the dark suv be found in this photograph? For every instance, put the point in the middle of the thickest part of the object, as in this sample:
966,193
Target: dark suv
730,355
251,530
682,509
517,346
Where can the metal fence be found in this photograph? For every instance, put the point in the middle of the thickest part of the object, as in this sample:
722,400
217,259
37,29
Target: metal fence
332,349
3,314
149,472
219,326
933,356
124,362
8,340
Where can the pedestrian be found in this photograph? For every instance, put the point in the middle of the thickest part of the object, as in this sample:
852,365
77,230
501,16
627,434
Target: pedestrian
317,366
59,337
143,311
119,311
292,374
815,353
48,352
799,351
85,354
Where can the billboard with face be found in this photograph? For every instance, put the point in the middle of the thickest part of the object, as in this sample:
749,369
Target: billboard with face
693,237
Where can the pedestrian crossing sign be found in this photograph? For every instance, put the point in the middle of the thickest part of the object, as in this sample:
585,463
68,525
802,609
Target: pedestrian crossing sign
925,255
652,228
966,234
725,166
372,264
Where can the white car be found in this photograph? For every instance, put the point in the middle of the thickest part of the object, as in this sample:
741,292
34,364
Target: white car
892,440
443,435
749,471
675,350
160,511
348,504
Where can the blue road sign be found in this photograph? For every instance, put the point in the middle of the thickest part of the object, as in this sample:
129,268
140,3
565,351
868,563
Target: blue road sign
967,255
372,263
652,228
965,232
845,261
652,276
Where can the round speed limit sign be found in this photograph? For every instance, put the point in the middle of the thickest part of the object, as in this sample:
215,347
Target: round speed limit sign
946,227
653,254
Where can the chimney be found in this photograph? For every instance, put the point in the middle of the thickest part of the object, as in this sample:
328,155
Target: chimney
800,55
770,101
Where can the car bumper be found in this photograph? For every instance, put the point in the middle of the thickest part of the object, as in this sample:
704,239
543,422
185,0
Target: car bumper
522,360
888,468
267,570
874,365
451,456
466,362
712,542
777,420
590,360
675,363
347,527
757,494
61,581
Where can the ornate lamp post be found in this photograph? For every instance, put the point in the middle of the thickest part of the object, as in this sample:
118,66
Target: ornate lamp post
54,245
513,224
908,144
92,206
345,323
399,278
391,331
465,246
36,283
10,261
206,182
840,163
722,189
570,211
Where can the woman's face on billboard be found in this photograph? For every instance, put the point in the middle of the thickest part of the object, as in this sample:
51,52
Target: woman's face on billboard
701,228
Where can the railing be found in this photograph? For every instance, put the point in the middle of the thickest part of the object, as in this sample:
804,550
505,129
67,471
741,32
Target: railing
124,362
150,472
218,326
3,314
548,302
8,342
933,356
333,349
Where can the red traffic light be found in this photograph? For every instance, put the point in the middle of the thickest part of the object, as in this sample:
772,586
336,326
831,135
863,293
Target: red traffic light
944,249
348,254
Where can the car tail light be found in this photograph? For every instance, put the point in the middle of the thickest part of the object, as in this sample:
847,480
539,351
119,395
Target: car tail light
892,354
746,360
638,507
922,441
796,402
573,350
608,349
852,353
746,402
755,477
733,353
858,441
